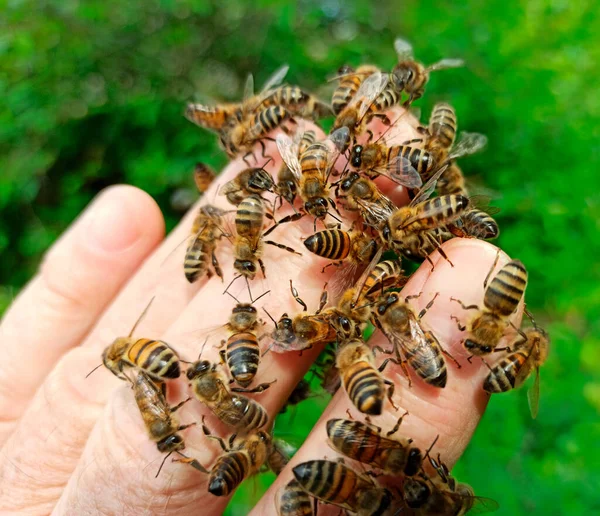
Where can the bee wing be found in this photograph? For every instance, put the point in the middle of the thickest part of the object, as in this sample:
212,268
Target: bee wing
158,408
533,395
445,64
481,504
400,170
249,87
482,202
404,49
342,279
363,278
379,212
276,78
468,143
369,90
340,138
428,188
289,154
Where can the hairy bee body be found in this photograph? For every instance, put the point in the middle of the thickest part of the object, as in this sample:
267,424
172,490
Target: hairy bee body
336,244
214,118
200,253
428,499
204,175
302,332
360,442
287,185
248,181
476,223
336,483
294,501
385,275
297,102
452,181
348,85
242,351
248,245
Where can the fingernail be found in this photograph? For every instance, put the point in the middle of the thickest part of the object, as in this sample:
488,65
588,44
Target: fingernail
112,224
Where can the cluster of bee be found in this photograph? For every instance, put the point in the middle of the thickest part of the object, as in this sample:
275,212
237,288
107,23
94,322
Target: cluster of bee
305,181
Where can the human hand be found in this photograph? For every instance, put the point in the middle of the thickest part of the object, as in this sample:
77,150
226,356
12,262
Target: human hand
77,445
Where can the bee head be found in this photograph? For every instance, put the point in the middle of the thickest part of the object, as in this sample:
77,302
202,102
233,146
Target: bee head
245,267
317,207
198,369
170,443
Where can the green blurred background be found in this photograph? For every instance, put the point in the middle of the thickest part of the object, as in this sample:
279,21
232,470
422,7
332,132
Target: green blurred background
92,94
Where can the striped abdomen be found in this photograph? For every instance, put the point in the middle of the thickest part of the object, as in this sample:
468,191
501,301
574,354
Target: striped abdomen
228,472
426,359
253,413
354,439
452,181
421,160
442,124
315,158
365,387
295,501
204,175
503,376
440,210
506,289
292,97
266,120
249,216
346,88
384,275
329,481
477,223
308,138
197,258
333,244
243,356
155,357
387,99
210,117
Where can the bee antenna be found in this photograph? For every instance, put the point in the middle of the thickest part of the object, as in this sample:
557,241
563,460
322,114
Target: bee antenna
235,298
334,217
270,316
202,348
93,370
162,464
391,125
232,281
262,295
431,447
141,316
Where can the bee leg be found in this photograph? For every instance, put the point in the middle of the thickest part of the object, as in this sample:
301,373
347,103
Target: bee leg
179,405
262,268
331,264
442,252
487,278
297,297
429,305
208,434
192,462
349,414
281,246
284,220
397,425
322,299
379,349
183,427
465,307
259,388
223,354
249,153
522,334
414,140
385,120
390,392
447,353
413,296
371,136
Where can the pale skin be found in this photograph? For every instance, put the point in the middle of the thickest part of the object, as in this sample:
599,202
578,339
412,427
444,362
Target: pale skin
76,445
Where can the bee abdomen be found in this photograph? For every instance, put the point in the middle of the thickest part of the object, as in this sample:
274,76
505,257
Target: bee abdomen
228,473
270,118
155,357
295,501
353,439
243,356
254,416
249,216
503,375
442,124
479,224
506,289
365,388
333,244
196,260
326,480
384,275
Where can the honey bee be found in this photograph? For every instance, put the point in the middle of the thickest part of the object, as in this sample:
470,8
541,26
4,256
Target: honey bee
210,387
410,225
411,343
422,245
243,458
155,357
362,443
337,484
204,175
200,253
349,83
338,245
452,181
361,194
301,392
514,369
248,181
162,426
311,171
249,242
297,102
501,298
214,118
294,501
242,353
476,223
411,76
279,455
363,382
378,277
327,372
287,187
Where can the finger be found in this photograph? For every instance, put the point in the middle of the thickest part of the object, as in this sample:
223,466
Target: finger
453,412
79,277
55,427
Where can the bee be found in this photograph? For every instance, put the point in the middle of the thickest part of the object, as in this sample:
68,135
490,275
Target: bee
200,253
162,426
337,484
279,455
204,175
248,181
411,343
336,244
249,242
360,194
287,186
363,382
500,300
379,277
409,226
360,442
210,387
301,392
349,83
327,372
452,181
420,246
242,353
294,501
410,76
476,223
514,369
311,171
155,357
243,458
297,102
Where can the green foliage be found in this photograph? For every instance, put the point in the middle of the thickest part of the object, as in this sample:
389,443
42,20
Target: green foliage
93,94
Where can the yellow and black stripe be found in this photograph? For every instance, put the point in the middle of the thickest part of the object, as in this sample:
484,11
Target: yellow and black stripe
228,472
428,362
249,216
421,160
442,124
503,376
243,356
295,501
365,388
383,276
506,289
440,210
197,258
253,414
155,357
477,223
333,244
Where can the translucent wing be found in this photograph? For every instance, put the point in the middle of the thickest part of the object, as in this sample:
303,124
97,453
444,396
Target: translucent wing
482,202
276,78
428,188
400,170
248,88
369,90
533,395
374,214
363,278
481,505
156,407
289,154
468,143
446,63
403,49
340,138
342,279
